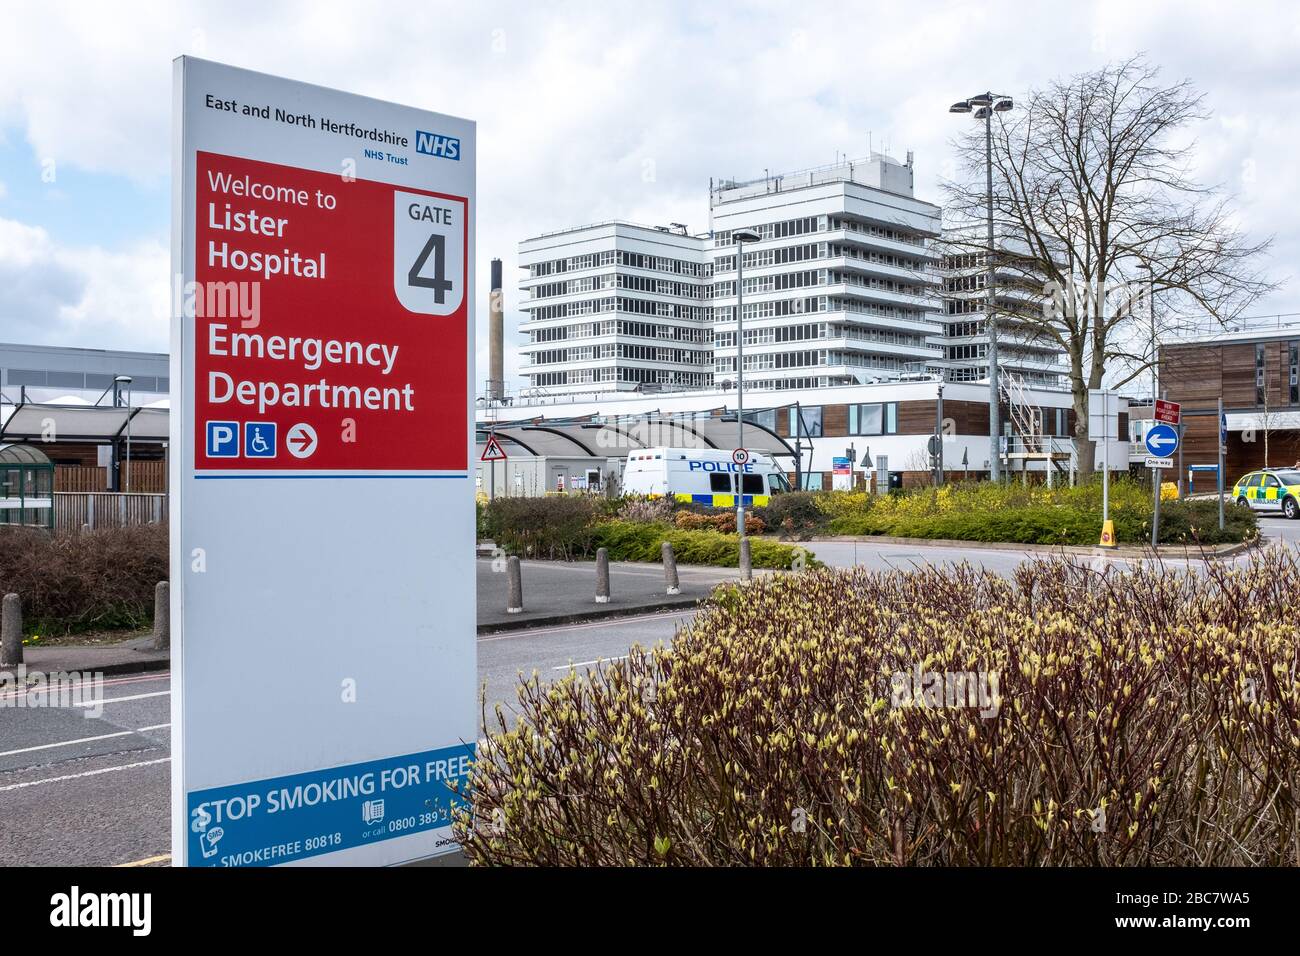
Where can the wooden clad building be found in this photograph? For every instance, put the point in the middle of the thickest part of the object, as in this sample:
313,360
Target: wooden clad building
1256,373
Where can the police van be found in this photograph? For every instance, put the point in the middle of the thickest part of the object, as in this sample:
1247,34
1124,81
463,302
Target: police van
703,476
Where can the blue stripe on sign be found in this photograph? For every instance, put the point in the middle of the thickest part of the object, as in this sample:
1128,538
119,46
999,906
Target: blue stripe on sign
265,822
702,499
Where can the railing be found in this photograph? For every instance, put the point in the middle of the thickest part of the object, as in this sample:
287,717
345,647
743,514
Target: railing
107,509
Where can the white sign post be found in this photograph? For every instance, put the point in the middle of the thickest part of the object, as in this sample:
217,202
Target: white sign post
1103,419
323,649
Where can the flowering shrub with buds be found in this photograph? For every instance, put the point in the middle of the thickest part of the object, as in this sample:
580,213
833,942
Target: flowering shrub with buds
1070,716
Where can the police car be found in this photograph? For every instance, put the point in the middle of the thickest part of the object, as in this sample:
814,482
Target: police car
1270,489
703,475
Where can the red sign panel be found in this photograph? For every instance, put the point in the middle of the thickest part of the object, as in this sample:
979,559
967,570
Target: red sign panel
1168,412
330,322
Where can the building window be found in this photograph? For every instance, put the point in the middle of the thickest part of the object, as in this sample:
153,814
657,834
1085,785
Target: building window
812,422
1259,374
877,418
1293,361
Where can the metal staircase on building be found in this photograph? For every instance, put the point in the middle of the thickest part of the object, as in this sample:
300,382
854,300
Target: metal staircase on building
1028,442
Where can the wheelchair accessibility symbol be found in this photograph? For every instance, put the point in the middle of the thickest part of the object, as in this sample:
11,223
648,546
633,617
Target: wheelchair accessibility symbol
259,439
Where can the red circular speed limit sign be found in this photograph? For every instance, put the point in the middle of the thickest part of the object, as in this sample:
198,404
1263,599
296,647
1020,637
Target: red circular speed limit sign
740,456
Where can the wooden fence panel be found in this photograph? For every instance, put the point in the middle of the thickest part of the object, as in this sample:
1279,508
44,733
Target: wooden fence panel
107,509
80,478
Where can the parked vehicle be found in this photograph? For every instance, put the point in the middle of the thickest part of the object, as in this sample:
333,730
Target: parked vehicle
1270,489
704,476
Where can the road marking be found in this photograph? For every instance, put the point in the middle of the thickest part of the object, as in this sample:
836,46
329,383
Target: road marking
81,684
80,740
148,860
88,773
598,660
119,700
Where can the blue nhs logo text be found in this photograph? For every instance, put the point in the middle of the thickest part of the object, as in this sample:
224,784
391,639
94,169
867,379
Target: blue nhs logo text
435,144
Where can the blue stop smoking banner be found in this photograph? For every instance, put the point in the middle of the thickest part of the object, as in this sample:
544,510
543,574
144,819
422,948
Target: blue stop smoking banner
267,822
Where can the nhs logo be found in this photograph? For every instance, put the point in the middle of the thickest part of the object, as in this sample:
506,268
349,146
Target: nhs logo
435,144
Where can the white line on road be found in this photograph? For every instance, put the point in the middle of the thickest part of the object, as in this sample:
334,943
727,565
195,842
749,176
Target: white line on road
88,773
81,740
111,682
598,660
119,700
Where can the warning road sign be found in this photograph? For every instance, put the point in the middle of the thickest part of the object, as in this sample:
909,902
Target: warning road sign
492,451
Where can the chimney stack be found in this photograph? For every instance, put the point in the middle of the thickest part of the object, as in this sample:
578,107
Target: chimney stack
496,381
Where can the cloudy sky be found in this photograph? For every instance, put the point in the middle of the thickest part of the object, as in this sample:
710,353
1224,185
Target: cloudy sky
586,111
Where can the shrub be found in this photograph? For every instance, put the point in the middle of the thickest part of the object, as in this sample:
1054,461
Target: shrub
627,541
722,521
1145,718
555,526
71,582
986,511
646,510
794,514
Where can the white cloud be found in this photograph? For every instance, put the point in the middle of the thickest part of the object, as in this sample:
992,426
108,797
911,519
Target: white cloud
576,101
53,294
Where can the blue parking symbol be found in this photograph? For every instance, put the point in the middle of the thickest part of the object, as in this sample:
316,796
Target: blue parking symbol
259,439
223,439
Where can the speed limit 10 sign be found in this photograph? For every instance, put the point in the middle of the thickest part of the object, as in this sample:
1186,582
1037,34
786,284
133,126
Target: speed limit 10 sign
740,456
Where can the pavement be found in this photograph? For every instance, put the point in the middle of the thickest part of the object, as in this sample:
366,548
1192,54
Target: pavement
128,657
560,592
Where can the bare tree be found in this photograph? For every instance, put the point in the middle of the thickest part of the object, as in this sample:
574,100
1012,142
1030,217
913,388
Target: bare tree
1090,176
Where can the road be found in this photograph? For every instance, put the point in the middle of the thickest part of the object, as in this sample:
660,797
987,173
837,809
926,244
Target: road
95,792
881,556
81,791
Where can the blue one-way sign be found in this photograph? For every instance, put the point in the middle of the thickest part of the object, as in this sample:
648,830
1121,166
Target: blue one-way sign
1162,440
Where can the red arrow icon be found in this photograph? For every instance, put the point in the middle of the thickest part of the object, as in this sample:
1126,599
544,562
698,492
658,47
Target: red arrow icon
302,440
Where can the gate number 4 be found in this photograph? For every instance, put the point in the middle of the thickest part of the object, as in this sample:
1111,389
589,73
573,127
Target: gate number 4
440,284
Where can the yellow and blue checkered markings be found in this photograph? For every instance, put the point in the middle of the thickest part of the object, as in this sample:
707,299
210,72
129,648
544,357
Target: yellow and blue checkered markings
723,500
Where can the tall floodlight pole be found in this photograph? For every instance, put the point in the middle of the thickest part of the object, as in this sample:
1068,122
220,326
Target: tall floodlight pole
984,105
740,237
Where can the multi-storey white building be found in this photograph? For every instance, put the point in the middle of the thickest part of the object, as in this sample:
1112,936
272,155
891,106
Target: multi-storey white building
847,284
616,307
1024,350
841,288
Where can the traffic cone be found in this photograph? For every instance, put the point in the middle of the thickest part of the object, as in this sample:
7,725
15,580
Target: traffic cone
1108,535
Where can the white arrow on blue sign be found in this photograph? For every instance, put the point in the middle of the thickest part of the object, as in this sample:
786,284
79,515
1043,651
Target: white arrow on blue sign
1162,440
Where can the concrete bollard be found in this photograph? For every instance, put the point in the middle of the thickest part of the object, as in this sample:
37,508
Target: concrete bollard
670,569
602,576
162,616
11,631
515,586
746,561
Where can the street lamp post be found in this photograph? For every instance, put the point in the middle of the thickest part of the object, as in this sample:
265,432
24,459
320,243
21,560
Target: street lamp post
740,237
984,105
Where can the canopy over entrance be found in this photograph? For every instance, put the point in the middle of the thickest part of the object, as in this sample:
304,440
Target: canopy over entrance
616,436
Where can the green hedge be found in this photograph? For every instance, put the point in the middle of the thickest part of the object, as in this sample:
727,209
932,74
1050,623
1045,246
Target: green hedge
1031,515
636,541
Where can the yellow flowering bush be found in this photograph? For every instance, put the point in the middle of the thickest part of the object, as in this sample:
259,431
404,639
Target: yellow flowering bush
1145,718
